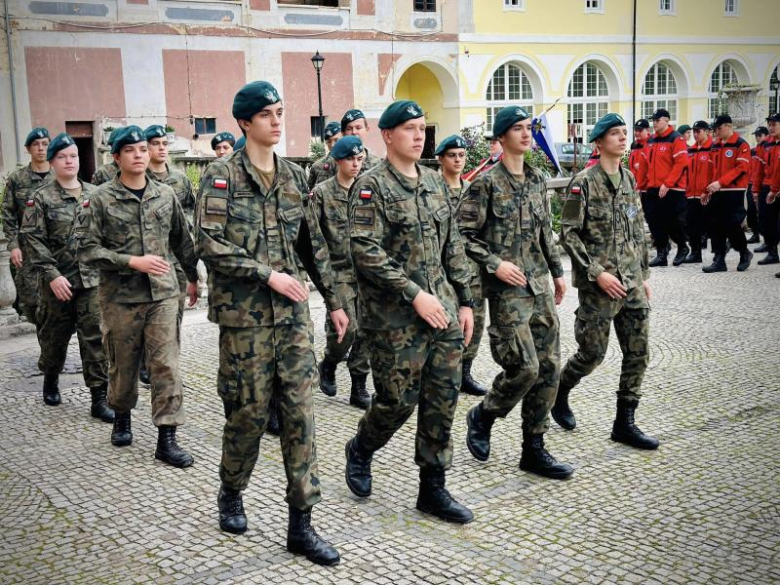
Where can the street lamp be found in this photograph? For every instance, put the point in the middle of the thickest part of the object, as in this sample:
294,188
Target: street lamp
318,61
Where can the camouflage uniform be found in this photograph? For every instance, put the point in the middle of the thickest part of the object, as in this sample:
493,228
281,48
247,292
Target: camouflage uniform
603,230
331,202
52,247
18,196
503,219
244,233
326,167
139,310
105,173
404,240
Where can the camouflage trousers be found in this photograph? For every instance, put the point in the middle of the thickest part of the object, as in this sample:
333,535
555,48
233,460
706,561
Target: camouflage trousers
525,341
58,322
254,363
595,315
152,328
471,351
354,340
415,366
26,281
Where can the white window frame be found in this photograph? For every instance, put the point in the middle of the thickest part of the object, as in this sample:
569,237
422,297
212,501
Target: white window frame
594,6
599,104
514,5
735,7
774,96
714,96
664,11
494,105
654,101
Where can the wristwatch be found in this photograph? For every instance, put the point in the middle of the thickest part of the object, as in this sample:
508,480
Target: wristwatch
469,303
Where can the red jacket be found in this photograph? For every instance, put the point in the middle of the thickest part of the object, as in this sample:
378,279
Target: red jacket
767,167
774,186
755,161
701,169
667,160
594,159
732,163
637,164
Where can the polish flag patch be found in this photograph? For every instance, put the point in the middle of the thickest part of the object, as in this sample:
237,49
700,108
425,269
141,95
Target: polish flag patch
365,194
86,203
576,190
220,184
30,203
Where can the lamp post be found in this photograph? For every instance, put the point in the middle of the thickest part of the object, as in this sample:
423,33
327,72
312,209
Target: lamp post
318,61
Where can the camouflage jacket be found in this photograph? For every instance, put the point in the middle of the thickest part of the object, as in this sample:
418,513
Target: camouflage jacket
117,226
325,168
48,229
331,205
503,219
105,173
19,195
244,234
454,199
182,186
603,228
403,239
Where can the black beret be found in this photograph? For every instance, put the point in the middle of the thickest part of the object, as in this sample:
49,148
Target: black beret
606,123
346,147
701,125
642,124
508,117
36,134
454,141
252,98
774,117
155,131
223,137
60,142
127,136
720,120
351,116
683,129
660,113
399,112
761,131
331,130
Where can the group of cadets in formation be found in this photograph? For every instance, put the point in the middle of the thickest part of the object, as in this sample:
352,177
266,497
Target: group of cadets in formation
408,262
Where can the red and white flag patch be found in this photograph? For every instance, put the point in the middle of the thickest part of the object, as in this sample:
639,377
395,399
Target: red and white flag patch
576,190
365,194
220,184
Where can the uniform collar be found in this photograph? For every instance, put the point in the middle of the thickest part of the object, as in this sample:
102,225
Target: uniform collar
404,181
280,174
63,193
121,192
608,181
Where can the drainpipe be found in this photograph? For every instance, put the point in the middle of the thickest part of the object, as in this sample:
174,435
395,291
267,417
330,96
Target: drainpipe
633,66
13,84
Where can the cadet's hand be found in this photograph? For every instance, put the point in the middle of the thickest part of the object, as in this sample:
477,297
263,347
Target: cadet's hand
611,285
430,309
771,196
466,322
16,257
755,197
648,292
150,264
288,286
705,198
511,274
663,191
714,186
193,293
560,289
340,322
60,286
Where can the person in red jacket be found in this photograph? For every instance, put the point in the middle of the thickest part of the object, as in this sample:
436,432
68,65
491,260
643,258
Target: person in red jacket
725,196
666,184
761,133
701,168
637,159
769,210
773,197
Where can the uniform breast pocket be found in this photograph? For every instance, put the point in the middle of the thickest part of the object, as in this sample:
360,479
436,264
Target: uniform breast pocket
291,220
162,216
401,218
243,211
441,218
336,215
120,223
60,220
503,226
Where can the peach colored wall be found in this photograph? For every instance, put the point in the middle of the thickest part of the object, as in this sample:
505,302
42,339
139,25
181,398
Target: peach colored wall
215,77
68,84
366,7
260,4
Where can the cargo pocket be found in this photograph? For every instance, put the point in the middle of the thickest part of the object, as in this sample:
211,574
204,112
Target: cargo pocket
385,374
504,346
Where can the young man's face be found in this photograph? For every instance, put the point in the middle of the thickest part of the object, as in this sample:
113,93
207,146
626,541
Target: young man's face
700,135
453,161
357,128
687,135
332,140
641,135
158,149
265,127
760,138
66,163
133,159
660,125
350,166
724,131
613,143
406,140
517,140
223,149
774,129
495,147
37,150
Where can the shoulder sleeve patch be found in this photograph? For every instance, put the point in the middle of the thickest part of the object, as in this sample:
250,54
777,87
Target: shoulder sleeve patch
365,216
469,211
216,206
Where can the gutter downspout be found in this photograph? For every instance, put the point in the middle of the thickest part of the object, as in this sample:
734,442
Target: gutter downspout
13,83
633,66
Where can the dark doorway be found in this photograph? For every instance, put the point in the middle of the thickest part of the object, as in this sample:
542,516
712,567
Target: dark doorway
83,136
430,142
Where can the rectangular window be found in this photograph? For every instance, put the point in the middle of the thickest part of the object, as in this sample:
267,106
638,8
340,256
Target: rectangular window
205,125
594,6
666,7
518,5
425,5
324,3
732,7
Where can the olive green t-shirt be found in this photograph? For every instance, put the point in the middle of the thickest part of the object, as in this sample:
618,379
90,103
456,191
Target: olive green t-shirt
615,179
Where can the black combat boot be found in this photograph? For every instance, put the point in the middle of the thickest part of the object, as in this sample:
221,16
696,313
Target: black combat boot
51,390
718,265
745,258
168,450
121,434
273,427
624,429
661,258
479,424
100,408
359,396
231,510
754,239
682,253
302,539
761,249
561,412
328,377
468,384
358,471
536,459
694,257
770,258
434,499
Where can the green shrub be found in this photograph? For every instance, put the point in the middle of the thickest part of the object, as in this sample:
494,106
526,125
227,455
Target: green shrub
316,149
193,174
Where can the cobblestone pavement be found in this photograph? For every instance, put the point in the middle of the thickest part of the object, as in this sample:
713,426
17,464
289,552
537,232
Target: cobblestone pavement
705,508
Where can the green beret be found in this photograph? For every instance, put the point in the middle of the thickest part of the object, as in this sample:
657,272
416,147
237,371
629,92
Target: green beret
508,117
240,143
154,131
60,142
683,129
112,136
346,147
606,123
127,136
36,134
223,137
331,130
252,98
351,116
398,113
454,141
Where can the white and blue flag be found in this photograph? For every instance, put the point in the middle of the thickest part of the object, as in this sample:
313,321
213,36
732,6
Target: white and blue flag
543,136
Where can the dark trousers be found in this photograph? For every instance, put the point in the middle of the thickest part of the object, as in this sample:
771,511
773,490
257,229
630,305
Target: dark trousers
752,211
768,214
694,222
666,217
726,212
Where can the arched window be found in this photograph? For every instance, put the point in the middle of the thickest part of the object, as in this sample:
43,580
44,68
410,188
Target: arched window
588,96
509,86
659,91
723,76
774,91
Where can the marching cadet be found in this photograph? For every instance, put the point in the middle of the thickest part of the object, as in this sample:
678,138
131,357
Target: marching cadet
686,132
774,180
761,133
331,205
701,168
505,221
452,158
725,196
637,159
222,144
254,226
18,196
354,123
131,232
603,233
108,171
325,167
769,209
68,289
494,155
415,309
